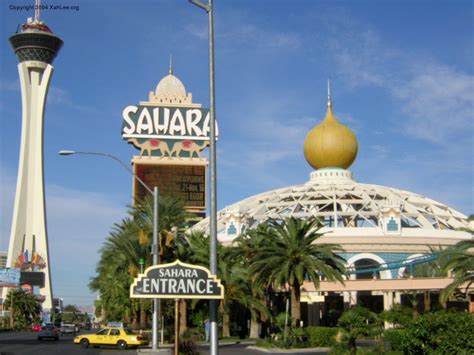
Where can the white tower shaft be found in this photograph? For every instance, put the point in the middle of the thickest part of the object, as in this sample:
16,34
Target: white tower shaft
28,231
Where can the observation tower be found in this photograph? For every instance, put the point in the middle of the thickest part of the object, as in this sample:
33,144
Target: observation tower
36,47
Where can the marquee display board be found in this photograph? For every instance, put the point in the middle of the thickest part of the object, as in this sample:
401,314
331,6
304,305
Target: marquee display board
177,280
179,179
9,277
34,278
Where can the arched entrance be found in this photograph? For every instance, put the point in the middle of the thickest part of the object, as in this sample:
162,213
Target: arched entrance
366,269
366,266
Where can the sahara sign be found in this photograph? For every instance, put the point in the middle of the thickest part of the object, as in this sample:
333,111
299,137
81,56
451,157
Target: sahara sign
165,122
169,124
181,132
177,280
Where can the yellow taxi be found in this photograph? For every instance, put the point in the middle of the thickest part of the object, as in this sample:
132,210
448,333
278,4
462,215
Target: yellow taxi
113,336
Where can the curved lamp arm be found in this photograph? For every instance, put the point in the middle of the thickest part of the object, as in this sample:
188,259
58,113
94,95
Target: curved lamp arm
71,152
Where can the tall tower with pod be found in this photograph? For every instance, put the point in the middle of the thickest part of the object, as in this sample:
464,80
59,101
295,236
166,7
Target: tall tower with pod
36,47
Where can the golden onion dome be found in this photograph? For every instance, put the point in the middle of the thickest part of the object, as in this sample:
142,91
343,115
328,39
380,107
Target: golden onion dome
330,144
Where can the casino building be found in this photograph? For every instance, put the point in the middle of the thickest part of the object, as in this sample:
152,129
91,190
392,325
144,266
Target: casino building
384,231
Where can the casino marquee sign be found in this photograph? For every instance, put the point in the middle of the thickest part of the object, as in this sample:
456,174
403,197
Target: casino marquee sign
177,280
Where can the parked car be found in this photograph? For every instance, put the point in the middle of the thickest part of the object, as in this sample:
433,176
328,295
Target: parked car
67,328
36,327
116,336
48,331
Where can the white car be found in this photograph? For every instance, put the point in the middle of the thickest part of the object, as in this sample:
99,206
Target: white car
67,328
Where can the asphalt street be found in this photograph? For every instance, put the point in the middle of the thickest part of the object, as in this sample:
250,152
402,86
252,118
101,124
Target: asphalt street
26,343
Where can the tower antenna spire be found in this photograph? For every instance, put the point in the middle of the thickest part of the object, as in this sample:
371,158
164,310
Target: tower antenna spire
171,64
37,10
329,94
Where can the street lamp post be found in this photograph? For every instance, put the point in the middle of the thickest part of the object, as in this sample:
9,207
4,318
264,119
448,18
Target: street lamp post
154,247
209,8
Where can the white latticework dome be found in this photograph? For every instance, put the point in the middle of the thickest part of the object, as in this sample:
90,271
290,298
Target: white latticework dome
346,208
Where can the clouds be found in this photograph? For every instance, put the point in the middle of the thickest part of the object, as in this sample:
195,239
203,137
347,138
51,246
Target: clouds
6,85
436,100
78,223
57,96
360,57
432,114
257,154
236,29
7,193
439,102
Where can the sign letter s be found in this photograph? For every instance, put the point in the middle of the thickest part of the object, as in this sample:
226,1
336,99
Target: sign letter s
129,125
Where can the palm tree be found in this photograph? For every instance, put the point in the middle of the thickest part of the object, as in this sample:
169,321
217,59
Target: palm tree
246,247
433,268
133,244
291,255
236,278
70,313
23,307
194,248
128,243
358,322
460,261
112,282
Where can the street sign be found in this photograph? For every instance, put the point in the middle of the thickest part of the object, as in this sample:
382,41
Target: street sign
177,280
9,277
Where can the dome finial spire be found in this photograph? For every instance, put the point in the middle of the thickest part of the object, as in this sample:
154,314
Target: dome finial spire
171,65
330,144
329,94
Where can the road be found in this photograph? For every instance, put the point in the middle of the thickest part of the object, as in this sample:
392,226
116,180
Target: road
26,343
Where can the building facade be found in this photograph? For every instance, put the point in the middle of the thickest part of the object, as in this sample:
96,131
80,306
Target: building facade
384,231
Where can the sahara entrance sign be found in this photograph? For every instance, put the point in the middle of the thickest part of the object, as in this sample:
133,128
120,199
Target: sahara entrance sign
177,280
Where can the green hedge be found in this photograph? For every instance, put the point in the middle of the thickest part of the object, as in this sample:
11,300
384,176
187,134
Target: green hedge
394,337
321,336
441,333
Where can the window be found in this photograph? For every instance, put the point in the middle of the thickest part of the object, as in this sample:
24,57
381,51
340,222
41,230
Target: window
102,332
114,332
231,230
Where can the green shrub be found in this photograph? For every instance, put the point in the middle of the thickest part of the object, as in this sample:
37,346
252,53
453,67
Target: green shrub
394,337
279,322
356,323
295,338
441,333
187,342
398,315
321,336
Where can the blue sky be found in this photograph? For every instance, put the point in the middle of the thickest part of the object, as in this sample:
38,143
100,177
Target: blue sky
402,74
